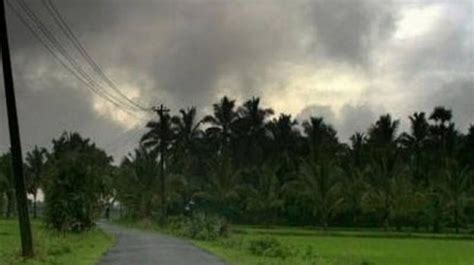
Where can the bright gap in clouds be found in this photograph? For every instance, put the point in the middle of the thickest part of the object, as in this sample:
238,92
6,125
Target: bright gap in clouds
307,85
416,20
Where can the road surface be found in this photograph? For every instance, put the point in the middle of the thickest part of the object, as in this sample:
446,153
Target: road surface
134,247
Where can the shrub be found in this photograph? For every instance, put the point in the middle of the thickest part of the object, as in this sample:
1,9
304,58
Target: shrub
75,183
199,226
268,247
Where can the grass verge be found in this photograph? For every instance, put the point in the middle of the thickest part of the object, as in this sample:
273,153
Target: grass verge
307,247
51,247
313,247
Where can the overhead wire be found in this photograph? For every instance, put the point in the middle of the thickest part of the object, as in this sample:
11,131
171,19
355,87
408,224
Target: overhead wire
62,23
54,41
51,43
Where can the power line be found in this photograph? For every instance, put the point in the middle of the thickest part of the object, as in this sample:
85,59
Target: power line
61,22
50,36
50,43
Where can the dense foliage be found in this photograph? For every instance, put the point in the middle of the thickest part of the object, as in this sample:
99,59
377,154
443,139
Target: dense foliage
248,166
75,183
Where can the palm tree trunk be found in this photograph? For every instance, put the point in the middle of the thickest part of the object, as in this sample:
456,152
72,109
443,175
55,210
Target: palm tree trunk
34,206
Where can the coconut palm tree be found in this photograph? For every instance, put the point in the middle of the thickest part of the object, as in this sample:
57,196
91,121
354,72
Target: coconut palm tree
319,184
284,134
389,192
159,139
222,121
138,182
265,196
251,133
415,144
223,185
357,149
456,192
186,127
321,137
35,170
384,132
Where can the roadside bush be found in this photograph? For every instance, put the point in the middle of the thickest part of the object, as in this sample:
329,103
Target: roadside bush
268,247
75,183
200,227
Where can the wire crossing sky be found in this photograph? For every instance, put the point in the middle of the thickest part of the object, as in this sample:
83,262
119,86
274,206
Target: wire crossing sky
347,60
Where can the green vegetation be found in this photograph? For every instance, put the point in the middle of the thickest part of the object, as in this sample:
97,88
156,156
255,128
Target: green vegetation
240,165
75,186
52,247
309,247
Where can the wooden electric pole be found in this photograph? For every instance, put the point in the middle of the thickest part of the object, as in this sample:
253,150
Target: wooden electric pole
17,160
162,111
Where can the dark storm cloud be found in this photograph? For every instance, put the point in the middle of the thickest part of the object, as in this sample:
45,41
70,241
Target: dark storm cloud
457,95
347,30
180,52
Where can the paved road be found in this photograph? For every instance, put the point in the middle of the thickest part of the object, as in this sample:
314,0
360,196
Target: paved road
140,248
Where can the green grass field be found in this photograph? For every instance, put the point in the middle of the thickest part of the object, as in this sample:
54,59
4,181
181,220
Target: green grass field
52,248
308,247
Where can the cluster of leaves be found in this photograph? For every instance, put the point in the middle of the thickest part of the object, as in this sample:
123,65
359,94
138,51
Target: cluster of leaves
74,187
248,167
200,226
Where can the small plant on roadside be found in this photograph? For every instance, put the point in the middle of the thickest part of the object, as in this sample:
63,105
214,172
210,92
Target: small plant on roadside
200,227
268,247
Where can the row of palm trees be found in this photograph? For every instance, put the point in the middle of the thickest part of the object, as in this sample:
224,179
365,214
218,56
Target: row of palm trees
245,164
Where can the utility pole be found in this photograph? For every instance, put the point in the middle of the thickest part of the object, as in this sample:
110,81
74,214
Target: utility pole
162,111
17,160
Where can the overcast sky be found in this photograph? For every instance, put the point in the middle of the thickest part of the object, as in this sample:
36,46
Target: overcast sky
347,60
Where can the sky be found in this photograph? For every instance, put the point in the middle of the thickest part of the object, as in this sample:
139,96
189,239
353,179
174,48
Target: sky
349,61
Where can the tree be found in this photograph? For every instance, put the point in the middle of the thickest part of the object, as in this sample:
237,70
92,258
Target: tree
468,148
222,121
319,185
456,192
265,196
284,134
357,152
251,132
74,184
6,184
138,183
159,139
443,133
416,144
383,133
35,170
321,137
389,194
187,129
222,187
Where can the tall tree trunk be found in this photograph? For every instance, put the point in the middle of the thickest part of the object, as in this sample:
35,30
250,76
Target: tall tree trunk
34,206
